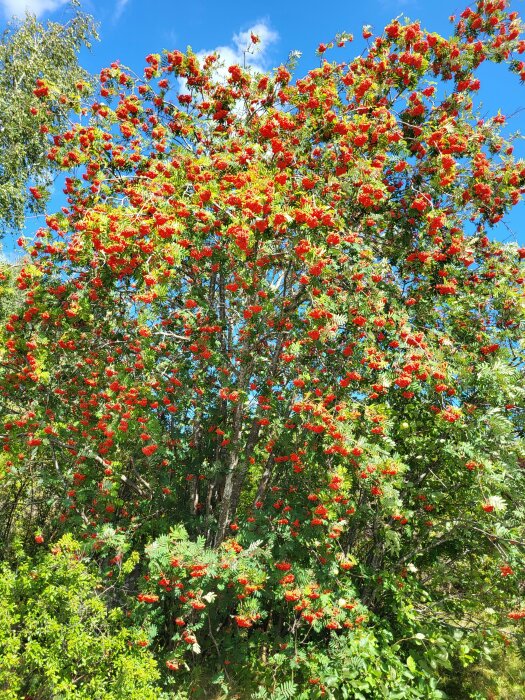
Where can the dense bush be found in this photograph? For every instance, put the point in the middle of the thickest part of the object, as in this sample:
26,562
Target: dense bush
59,640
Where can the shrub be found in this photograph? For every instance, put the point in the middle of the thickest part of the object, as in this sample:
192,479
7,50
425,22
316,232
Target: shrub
59,640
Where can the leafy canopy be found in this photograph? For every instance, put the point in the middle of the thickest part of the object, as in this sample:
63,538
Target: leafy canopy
34,57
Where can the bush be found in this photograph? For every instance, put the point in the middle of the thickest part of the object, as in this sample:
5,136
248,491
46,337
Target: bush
59,640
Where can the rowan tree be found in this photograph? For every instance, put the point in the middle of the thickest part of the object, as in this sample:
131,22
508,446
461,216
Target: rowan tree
274,338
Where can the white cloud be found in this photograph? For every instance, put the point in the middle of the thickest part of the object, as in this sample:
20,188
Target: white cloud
242,51
266,37
37,7
119,8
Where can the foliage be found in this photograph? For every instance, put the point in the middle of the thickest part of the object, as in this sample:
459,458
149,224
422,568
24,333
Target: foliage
269,365
57,638
501,677
241,599
34,59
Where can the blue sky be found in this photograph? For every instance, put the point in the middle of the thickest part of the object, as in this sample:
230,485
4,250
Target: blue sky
131,29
